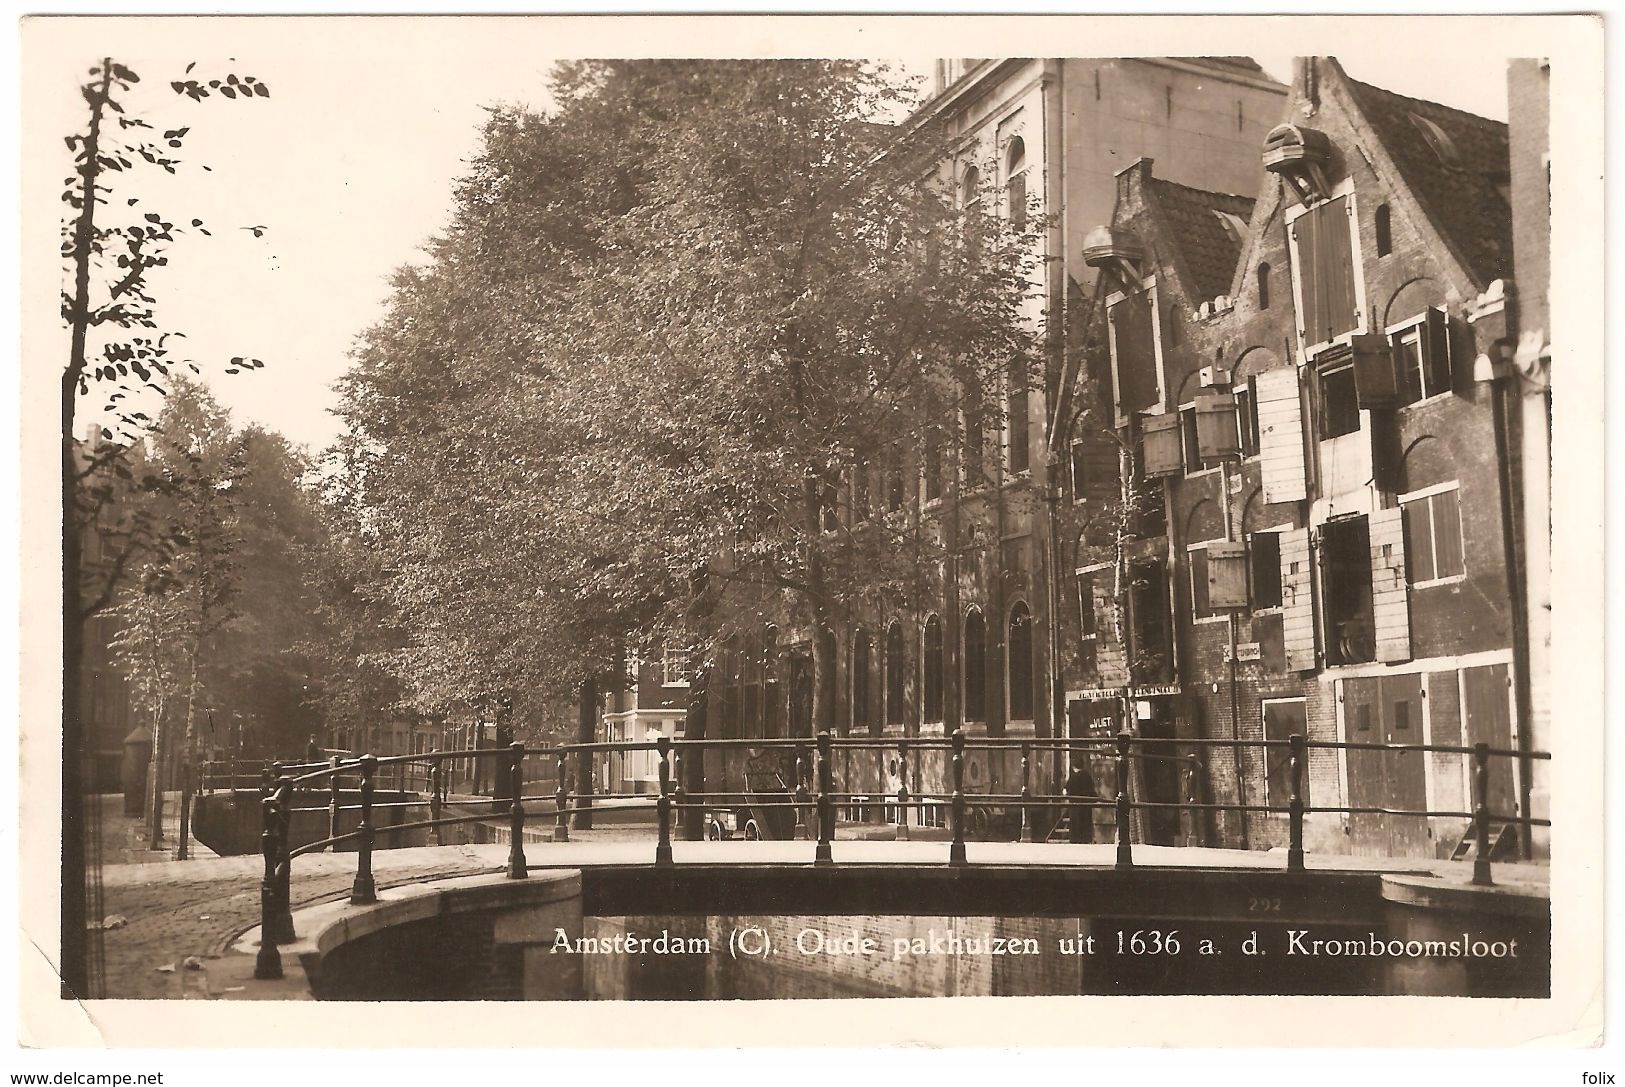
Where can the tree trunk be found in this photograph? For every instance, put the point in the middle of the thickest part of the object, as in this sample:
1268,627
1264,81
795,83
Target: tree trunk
155,794
586,731
190,738
74,968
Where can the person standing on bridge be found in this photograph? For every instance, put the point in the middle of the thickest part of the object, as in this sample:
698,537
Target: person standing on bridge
1080,786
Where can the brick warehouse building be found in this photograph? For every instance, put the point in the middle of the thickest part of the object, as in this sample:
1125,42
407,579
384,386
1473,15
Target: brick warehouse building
1336,454
973,650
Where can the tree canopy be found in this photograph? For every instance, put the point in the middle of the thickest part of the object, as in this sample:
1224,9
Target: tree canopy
673,326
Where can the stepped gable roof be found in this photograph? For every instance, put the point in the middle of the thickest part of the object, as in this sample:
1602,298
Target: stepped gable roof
1455,178
1209,244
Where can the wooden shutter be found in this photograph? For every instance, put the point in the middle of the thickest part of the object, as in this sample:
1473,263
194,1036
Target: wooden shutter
1134,353
1374,381
1325,267
1160,449
1226,575
1216,430
1280,435
1297,601
1390,596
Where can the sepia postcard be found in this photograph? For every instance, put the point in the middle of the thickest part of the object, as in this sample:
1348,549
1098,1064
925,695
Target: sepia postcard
716,522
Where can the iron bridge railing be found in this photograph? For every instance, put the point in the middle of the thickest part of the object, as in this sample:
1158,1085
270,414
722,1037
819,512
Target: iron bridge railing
283,782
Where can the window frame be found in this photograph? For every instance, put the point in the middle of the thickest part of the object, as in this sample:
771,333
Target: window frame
1277,531
1427,494
1078,575
1417,325
1247,421
1322,370
684,656
1308,351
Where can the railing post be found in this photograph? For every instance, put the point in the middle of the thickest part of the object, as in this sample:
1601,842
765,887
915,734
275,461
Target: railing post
1193,768
902,790
663,803
561,829
1481,814
826,802
956,850
362,892
268,963
679,794
1125,854
434,801
516,811
333,804
284,875
1026,793
1294,849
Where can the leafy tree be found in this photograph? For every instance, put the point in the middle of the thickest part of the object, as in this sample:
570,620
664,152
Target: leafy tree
670,325
109,308
184,595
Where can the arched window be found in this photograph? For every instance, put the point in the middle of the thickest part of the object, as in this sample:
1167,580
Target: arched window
1015,183
862,709
894,674
931,662
1264,285
1020,658
970,186
975,666
1385,231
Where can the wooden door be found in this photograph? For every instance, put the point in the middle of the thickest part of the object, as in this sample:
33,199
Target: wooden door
1489,720
1367,770
1405,771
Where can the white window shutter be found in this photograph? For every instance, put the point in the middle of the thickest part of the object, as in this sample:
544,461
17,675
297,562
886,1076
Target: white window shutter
1297,601
1390,596
1280,435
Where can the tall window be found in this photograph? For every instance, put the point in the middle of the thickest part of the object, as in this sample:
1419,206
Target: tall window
1264,570
894,674
1384,231
1422,358
1086,605
933,465
862,711
932,666
894,478
1020,658
970,194
1264,285
975,474
1015,186
1433,550
1020,424
975,666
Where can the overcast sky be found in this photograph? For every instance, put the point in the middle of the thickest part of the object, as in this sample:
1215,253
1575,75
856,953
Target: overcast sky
349,166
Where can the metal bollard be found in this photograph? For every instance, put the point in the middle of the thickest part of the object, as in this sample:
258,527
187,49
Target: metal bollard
1294,849
663,804
1125,854
362,892
956,850
268,963
434,802
333,803
561,830
1026,793
1481,815
516,811
826,802
902,791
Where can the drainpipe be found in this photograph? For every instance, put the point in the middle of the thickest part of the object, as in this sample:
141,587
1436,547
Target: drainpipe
1232,622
